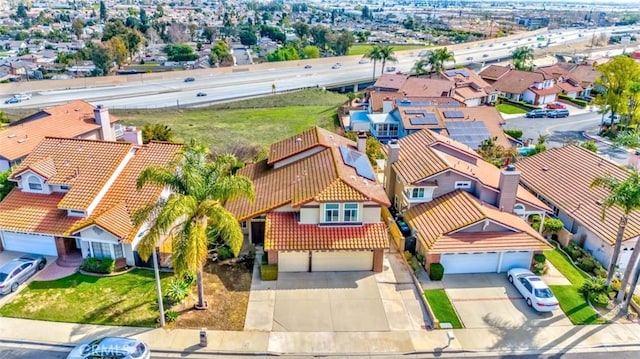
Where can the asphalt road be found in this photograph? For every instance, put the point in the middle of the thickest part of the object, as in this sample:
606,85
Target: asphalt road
257,80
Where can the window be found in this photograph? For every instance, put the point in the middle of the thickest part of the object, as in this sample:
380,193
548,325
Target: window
101,250
64,188
243,224
34,183
331,212
417,193
117,250
351,212
462,184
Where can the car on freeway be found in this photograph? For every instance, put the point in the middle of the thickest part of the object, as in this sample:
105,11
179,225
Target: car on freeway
555,106
307,66
337,65
562,112
12,100
537,113
201,94
534,290
485,55
22,96
111,347
469,58
390,69
189,79
18,270
363,61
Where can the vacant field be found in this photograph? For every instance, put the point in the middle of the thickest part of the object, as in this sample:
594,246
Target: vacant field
362,49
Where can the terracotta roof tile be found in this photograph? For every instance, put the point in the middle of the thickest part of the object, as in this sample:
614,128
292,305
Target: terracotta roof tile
563,176
282,232
494,72
516,81
390,81
69,120
487,242
426,87
376,99
36,213
545,91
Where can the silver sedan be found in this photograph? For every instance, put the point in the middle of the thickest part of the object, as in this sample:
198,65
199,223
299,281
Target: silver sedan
17,271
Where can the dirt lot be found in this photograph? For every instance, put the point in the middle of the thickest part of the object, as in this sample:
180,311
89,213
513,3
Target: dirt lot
227,293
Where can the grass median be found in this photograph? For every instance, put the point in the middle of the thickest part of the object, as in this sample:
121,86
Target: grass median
442,307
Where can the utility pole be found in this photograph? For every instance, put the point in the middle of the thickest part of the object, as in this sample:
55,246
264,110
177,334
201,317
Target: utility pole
156,272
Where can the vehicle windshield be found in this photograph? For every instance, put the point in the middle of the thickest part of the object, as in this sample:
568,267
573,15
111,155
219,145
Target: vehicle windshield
91,346
543,293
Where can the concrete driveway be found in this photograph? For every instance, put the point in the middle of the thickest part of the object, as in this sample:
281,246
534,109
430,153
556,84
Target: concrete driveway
337,301
490,301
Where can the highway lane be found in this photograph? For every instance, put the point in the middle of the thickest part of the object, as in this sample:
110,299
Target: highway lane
257,80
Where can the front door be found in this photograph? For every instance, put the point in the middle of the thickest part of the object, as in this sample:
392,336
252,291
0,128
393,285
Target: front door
257,233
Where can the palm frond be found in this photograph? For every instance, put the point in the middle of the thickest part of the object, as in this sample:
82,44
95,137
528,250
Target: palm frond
226,227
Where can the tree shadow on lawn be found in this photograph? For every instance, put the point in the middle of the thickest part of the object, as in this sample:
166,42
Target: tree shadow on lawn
71,281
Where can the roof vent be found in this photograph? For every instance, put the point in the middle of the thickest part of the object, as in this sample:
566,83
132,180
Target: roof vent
511,168
22,140
12,135
298,140
545,168
599,202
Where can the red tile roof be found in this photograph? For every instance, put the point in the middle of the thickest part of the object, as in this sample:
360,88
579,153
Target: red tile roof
390,81
516,81
35,213
283,233
494,72
307,140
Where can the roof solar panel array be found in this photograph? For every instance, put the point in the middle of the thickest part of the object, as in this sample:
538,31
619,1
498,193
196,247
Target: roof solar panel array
453,114
471,133
357,161
428,119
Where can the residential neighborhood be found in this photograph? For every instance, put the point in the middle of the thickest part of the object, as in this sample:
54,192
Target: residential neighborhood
453,208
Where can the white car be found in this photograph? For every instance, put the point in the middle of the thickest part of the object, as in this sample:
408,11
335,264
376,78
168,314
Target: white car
22,96
111,347
534,290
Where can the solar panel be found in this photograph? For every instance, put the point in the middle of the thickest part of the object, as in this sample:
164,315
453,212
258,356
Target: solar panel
357,161
450,73
471,133
453,114
428,119
414,112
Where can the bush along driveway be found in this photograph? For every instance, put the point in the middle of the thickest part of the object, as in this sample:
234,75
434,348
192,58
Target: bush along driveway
572,302
128,299
442,308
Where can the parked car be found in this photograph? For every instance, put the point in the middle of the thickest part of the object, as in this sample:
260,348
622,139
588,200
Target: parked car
12,100
201,94
111,347
611,119
558,113
17,271
537,113
534,290
189,79
555,106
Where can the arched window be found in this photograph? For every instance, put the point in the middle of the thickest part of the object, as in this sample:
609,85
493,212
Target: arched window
518,209
34,183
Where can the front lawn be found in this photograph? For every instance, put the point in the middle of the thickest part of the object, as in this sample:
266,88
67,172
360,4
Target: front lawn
573,304
510,109
128,299
442,308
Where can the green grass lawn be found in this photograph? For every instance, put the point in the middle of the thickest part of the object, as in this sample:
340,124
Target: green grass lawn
363,48
442,308
510,109
259,121
573,304
128,299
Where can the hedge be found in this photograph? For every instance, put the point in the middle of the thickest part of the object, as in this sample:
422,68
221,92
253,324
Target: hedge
575,101
95,265
521,104
269,272
436,271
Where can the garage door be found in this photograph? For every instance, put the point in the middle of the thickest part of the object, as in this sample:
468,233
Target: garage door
342,261
515,260
29,243
293,261
456,263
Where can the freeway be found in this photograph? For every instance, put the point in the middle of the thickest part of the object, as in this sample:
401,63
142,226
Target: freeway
243,82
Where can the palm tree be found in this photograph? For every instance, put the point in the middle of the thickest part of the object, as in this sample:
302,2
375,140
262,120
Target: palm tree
626,196
520,57
386,54
193,214
421,67
375,54
438,57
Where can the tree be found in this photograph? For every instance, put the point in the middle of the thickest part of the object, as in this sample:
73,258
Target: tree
180,52
4,118
521,55
340,44
624,195
21,12
286,53
133,40
375,54
248,37
194,213
589,145
302,30
494,153
5,184
103,11
156,132
386,54
438,57
102,59
78,27
118,50
220,54
320,35
209,33
617,76
311,52
421,67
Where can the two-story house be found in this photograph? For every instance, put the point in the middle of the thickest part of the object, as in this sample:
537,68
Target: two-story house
561,177
470,88
318,205
77,119
565,82
535,88
463,211
77,196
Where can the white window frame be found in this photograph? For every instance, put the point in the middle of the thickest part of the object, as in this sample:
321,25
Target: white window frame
416,192
462,185
39,183
353,212
331,215
102,254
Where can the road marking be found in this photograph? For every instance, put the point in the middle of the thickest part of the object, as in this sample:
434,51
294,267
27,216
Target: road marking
548,129
485,299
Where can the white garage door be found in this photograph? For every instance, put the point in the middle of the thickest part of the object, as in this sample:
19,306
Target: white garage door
29,243
293,261
515,260
342,261
456,263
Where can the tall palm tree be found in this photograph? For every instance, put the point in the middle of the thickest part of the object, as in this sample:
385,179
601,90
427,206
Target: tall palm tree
520,57
626,196
421,67
193,213
375,54
438,57
386,54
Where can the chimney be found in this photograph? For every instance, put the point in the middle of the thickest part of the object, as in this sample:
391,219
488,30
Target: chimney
361,143
132,135
393,154
387,105
508,187
101,115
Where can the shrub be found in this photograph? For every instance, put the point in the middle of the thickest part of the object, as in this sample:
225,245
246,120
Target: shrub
599,299
514,133
269,272
420,258
436,271
224,253
599,271
189,278
95,265
539,268
414,264
177,290
615,284
594,285
407,256
540,258
170,316
587,263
